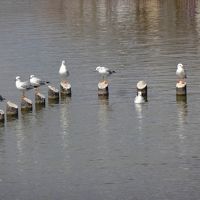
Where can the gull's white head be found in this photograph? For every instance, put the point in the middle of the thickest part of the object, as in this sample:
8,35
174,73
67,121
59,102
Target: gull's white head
98,68
17,78
180,65
139,93
32,76
63,62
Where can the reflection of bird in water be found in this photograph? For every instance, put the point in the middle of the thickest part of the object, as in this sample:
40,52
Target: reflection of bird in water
23,85
139,98
104,71
36,82
181,73
64,73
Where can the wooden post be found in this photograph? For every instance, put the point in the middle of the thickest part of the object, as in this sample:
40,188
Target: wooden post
103,88
39,98
26,104
181,88
65,88
181,98
53,93
142,86
2,116
11,110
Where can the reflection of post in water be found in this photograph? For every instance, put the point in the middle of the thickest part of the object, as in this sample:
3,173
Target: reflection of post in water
182,109
65,99
65,130
39,107
103,112
103,100
138,108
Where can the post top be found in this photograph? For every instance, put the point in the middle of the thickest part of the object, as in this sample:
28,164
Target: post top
9,103
102,84
53,88
180,84
141,85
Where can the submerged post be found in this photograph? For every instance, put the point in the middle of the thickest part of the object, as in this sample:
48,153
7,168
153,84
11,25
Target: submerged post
2,116
11,110
103,88
181,88
142,86
65,88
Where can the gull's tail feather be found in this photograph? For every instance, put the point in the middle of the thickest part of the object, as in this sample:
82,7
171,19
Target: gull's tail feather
111,72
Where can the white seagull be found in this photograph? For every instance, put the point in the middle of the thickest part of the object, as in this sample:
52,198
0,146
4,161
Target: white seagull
181,73
64,73
139,98
104,71
37,82
23,85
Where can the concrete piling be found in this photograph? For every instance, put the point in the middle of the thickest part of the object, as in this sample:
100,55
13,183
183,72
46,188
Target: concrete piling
103,88
142,86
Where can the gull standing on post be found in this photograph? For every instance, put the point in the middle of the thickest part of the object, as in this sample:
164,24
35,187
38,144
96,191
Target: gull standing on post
37,82
104,71
181,73
64,73
22,85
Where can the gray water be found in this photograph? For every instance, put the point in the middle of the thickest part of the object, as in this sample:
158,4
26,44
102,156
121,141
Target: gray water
87,148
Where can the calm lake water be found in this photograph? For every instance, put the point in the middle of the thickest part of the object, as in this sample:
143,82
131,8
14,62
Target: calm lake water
86,148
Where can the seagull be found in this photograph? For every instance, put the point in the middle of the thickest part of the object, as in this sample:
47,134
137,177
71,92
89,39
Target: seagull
104,71
64,73
23,85
37,82
181,73
139,98
2,98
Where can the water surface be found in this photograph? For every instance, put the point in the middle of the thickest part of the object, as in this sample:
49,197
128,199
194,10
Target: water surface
85,147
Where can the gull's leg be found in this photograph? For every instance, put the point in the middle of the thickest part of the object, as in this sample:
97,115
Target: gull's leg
23,94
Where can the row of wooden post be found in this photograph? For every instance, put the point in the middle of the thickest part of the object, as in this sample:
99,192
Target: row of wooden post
181,89
65,90
27,105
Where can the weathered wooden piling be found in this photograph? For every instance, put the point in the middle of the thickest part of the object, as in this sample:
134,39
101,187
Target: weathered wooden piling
2,116
53,93
142,86
103,88
65,88
181,88
181,98
11,110
26,104
39,98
